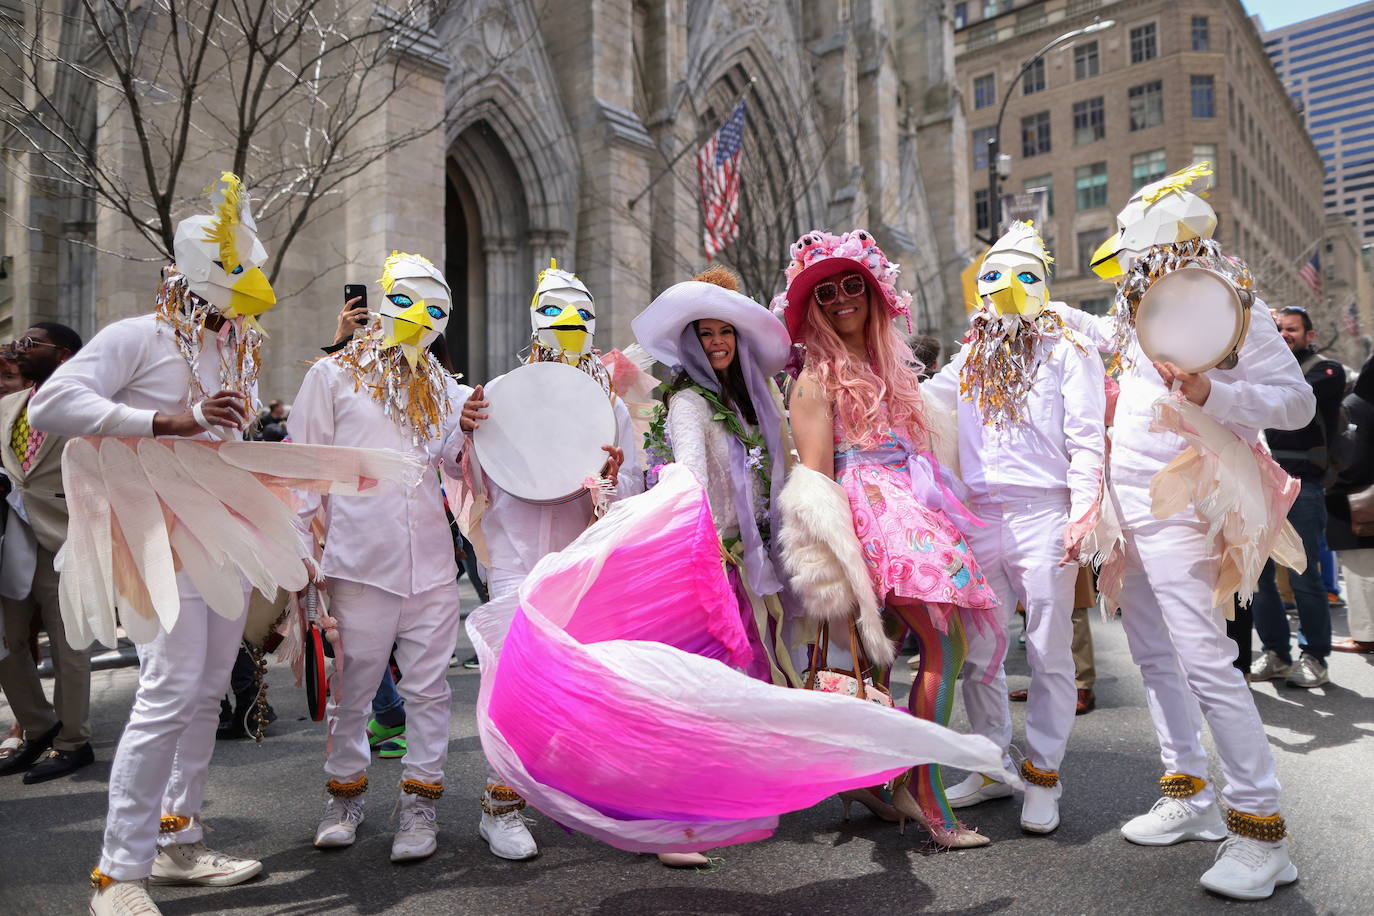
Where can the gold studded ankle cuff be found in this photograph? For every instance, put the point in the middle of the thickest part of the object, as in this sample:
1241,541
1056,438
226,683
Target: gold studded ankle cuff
422,789
1180,785
347,789
1269,828
1038,777
171,823
499,800
100,881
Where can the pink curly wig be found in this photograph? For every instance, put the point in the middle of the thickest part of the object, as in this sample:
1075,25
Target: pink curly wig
868,399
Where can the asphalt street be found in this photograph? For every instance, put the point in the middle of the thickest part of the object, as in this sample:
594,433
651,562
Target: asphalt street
264,800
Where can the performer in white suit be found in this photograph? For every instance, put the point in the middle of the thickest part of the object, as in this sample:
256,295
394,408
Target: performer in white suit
183,370
1030,402
389,560
1175,629
515,534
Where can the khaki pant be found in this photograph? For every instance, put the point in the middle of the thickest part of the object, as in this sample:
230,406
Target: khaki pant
72,667
1084,598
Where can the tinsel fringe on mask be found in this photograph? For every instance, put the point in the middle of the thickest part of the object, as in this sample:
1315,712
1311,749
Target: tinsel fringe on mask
417,401
1003,357
185,315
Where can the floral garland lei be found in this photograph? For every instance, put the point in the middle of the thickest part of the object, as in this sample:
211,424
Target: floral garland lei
757,459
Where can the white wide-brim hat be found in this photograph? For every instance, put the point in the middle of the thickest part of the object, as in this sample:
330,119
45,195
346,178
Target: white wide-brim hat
659,327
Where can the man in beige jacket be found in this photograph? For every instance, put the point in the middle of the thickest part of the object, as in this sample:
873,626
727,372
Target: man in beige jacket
34,532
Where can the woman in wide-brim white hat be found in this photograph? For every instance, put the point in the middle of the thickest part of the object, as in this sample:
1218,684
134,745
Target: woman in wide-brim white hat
723,419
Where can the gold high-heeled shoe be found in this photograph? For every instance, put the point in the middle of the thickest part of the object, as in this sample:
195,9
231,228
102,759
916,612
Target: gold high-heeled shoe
870,800
962,838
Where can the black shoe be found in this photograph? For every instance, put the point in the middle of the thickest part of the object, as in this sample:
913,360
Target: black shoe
59,763
472,664
29,752
229,725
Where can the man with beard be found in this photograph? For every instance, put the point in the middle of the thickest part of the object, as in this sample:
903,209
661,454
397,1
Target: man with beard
1030,403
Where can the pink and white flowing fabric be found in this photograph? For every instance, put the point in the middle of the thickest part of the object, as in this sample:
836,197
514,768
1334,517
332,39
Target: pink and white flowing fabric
612,696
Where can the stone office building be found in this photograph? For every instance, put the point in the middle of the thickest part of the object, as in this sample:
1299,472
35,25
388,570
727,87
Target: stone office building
1167,84
568,130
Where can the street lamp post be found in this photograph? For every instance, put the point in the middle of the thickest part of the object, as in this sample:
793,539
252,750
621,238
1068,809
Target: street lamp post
994,142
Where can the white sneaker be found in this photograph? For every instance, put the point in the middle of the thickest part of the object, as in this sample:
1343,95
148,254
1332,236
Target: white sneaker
124,898
192,863
1269,666
1249,869
340,823
1173,820
977,788
1040,809
1309,672
417,833
508,836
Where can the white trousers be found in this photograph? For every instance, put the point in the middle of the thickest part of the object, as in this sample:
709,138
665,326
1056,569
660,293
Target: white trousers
424,629
1019,552
163,759
1357,566
1178,638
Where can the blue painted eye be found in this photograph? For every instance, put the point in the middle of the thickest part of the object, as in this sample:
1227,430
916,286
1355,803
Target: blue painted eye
586,315
551,311
402,300
434,311
1026,276
237,270
991,276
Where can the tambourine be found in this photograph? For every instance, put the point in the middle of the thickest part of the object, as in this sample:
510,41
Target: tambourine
546,423
1194,318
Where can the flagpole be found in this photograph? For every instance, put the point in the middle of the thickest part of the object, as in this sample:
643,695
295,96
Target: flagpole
694,143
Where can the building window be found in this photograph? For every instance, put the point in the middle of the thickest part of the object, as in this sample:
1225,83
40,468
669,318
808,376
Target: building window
1147,167
1087,244
981,136
1204,95
1035,134
1090,185
990,8
1096,306
980,210
1043,183
1144,45
1088,122
1035,77
1206,152
960,15
1202,40
1085,60
1147,105
985,90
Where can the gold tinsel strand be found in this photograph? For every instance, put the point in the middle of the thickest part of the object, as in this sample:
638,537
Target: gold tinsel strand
185,314
416,400
1003,356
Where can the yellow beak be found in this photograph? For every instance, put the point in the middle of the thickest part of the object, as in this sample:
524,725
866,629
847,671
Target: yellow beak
410,326
570,330
1104,262
251,294
1008,296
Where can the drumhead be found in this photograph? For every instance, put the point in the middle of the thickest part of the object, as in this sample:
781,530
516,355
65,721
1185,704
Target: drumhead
545,427
1191,317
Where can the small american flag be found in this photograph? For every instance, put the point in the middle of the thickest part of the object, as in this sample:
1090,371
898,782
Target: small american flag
718,174
1351,319
1311,274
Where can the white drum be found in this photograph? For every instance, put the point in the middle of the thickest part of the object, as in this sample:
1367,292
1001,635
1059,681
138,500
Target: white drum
545,427
1194,318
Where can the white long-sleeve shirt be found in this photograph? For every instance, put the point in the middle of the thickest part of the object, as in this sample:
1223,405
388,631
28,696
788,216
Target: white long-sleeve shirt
128,373
1265,390
518,534
1059,444
397,539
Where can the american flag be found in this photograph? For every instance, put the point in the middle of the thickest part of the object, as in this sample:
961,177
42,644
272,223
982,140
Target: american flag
718,174
1311,274
1351,319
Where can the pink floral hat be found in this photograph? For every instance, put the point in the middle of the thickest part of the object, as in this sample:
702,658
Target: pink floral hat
818,255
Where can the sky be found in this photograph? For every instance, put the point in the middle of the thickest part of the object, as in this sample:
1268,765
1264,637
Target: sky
1278,13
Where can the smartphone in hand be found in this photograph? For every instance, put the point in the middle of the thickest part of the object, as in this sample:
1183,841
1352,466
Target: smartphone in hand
357,291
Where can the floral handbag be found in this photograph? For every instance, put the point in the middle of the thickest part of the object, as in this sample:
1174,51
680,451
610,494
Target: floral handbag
841,681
